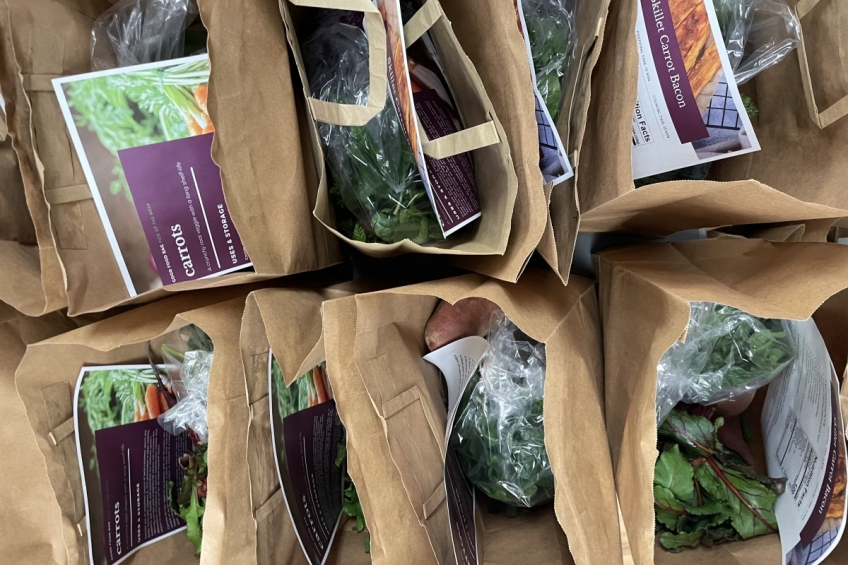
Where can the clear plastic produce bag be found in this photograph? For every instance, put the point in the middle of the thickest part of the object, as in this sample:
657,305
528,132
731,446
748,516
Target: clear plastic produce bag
133,32
550,30
727,354
190,383
757,33
499,433
373,170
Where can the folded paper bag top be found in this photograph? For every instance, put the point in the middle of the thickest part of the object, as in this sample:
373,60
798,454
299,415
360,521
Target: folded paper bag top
404,399
259,185
784,181
46,379
287,323
645,293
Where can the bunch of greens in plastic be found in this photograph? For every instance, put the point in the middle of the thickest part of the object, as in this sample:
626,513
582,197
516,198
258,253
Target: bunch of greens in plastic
704,493
499,433
377,189
550,30
727,353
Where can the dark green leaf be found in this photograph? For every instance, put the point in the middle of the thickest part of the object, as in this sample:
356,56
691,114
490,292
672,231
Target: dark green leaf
679,542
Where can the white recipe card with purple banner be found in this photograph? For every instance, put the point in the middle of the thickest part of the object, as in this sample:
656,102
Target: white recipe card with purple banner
144,139
688,108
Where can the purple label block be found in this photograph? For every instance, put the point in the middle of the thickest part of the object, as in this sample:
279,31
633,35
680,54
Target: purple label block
314,490
460,497
452,178
671,71
177,190
136,463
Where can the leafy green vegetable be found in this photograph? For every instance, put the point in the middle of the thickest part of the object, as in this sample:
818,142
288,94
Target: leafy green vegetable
499,433
727,353
377,190
550,35
351,504
190,503
750,107
703,493
751,349
377,179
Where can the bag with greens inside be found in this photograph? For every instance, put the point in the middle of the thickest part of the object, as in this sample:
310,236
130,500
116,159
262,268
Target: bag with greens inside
727,355
192,361
550,30
376,188
498,433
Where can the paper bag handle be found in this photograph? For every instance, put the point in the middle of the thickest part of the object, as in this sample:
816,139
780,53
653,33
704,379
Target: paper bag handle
469,139
840,108
356,114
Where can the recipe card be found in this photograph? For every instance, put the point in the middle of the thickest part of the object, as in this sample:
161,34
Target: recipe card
688,107
144,139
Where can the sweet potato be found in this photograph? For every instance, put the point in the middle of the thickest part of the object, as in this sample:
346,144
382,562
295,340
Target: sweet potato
451,322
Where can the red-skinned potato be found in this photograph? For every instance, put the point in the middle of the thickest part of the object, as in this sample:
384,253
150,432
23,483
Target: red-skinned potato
451,322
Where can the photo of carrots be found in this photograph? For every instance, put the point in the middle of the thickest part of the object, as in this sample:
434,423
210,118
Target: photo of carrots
308,390
142,107
119,396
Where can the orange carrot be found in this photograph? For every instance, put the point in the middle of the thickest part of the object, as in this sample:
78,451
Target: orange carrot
151,399
193,127
201,94
320,386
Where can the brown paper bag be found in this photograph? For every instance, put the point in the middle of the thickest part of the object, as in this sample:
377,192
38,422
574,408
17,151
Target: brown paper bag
391,402
257,146
32,526
645,293
287,322
46,379
802,104
483,135
808,188
29,250
488,32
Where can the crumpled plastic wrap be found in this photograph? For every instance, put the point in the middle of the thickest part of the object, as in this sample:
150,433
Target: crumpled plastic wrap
373,170
551,33
190,383
757,33
727,354
499,433
133,32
